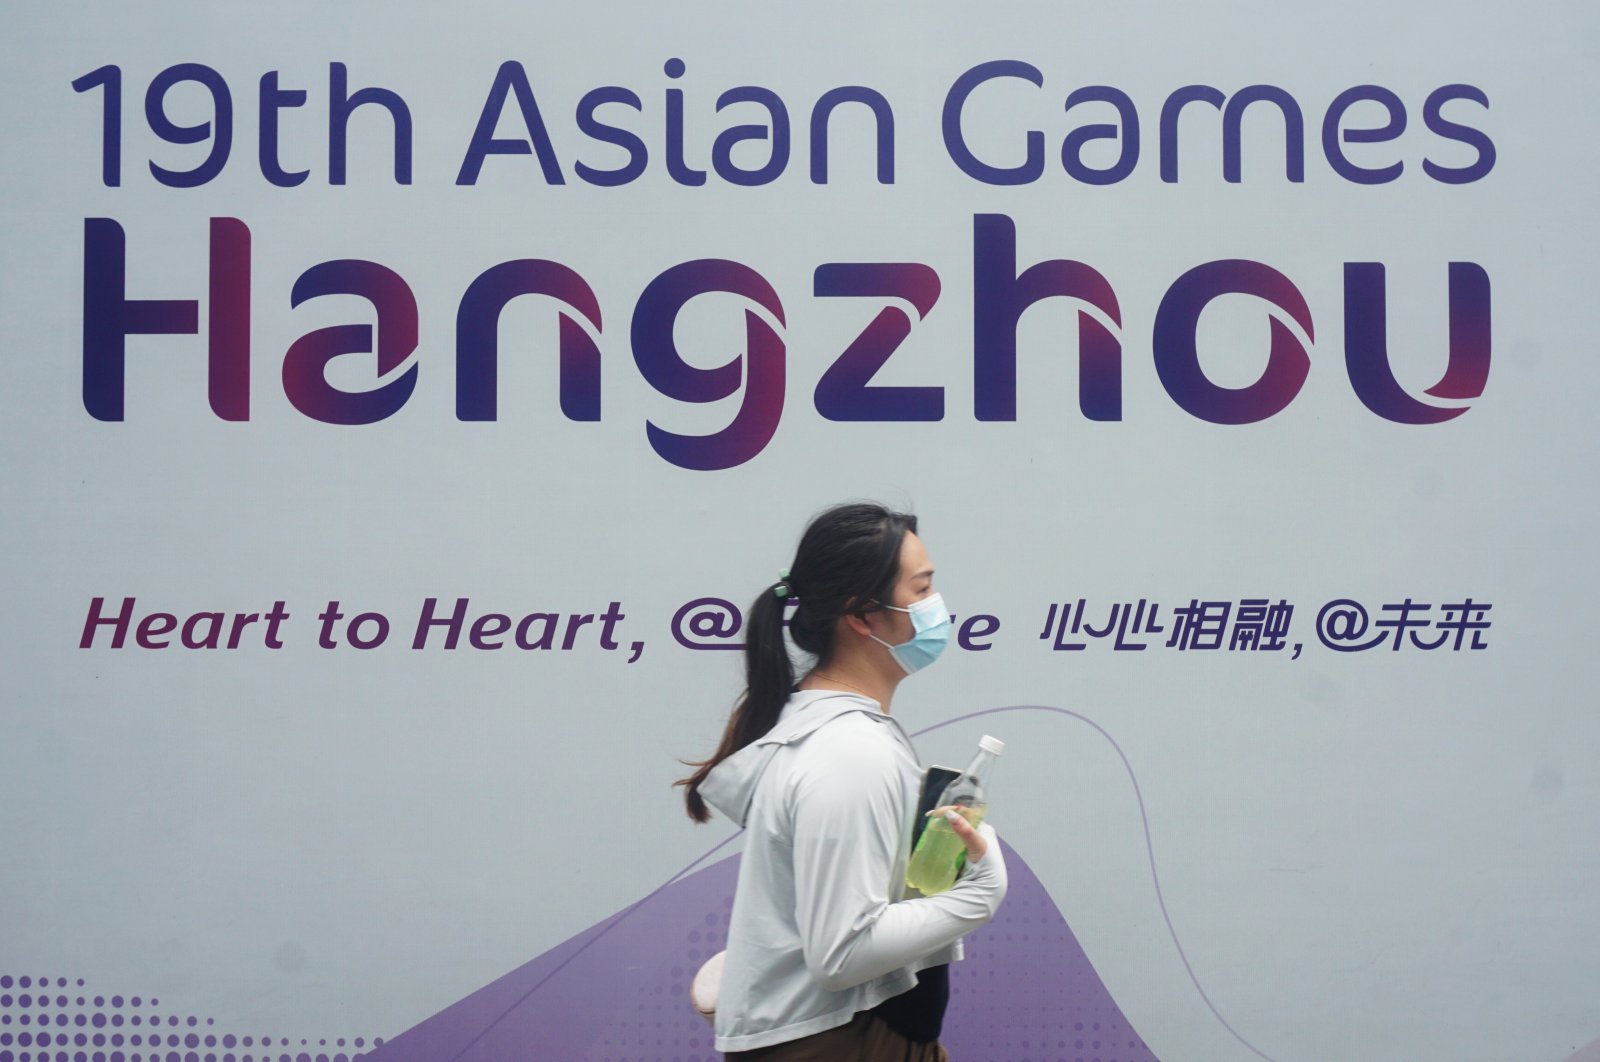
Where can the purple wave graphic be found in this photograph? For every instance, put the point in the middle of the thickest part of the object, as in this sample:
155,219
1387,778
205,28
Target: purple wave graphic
619,991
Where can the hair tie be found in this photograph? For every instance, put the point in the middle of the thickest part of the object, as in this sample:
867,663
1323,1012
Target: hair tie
782,589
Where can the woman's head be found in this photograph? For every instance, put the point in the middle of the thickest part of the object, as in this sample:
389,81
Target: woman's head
853,561
849,562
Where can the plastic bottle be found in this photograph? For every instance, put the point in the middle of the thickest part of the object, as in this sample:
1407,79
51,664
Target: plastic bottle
941,853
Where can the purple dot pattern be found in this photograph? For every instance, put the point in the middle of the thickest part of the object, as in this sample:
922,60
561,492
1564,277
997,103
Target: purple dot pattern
619,991
39,1022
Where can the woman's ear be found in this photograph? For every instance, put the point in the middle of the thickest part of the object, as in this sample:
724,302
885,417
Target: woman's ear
857,622
855,617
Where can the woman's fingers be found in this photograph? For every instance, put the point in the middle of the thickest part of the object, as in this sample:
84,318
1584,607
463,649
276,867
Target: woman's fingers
976,845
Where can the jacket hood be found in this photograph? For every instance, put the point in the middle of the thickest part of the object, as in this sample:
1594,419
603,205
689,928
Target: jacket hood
731,785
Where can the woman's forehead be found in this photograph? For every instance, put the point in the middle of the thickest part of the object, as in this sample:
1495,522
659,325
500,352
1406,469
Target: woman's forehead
914,560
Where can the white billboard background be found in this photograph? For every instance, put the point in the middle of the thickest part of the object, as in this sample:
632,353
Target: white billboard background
1365,855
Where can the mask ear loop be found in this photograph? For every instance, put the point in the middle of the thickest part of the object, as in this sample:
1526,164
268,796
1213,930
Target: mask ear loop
881,607
859,609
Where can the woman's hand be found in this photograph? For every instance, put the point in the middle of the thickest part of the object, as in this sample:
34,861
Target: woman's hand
976,843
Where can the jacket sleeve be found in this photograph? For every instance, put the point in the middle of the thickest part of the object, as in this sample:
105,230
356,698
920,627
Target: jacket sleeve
848,818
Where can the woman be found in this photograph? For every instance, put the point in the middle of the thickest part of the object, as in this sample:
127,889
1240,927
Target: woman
826,958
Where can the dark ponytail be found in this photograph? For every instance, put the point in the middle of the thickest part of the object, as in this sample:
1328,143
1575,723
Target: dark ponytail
847,561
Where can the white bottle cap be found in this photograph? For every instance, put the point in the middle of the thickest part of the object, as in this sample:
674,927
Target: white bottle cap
991,744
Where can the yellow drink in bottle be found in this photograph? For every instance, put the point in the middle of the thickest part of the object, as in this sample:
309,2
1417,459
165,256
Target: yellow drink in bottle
940,852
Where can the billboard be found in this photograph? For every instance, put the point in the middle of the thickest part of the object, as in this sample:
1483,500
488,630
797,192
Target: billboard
402,404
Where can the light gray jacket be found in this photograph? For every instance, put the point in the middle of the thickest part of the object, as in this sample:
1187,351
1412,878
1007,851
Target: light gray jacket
820,929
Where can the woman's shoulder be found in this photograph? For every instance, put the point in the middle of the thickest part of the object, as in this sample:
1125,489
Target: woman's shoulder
855,744
868,726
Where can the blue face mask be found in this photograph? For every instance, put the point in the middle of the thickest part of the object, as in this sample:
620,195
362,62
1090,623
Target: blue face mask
931,621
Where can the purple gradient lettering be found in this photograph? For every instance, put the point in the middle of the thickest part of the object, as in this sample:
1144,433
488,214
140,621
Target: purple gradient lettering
109,317
1366,346
343,103
1232,121
308,356
595,129
1170,112
762,367
1434,119
844,392
883,117
777,130
1294,133
228,320
1000,296
509,79
108,77
164,127
955,143
478,337
1333,137
274,101
1072,144
1178,362
677,168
